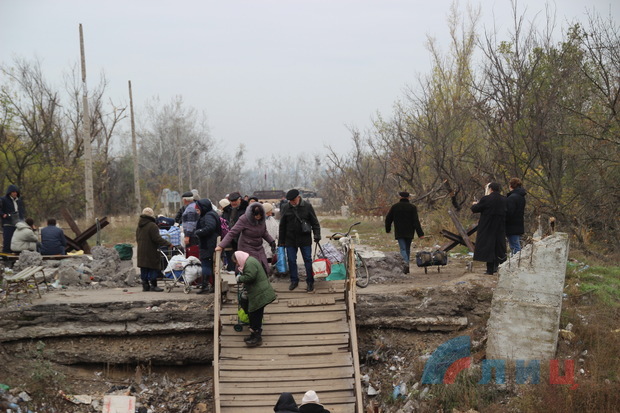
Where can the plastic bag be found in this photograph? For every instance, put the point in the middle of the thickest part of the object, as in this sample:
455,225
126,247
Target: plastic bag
321,268
338,272
281,263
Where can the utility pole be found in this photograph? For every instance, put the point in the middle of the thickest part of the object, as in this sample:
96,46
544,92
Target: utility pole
136,169
88,151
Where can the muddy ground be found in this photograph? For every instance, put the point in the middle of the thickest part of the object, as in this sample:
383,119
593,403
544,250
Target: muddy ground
166,365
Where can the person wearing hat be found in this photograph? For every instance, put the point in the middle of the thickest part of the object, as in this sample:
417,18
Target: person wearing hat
260,293
298,222
149,240
310,403
404,216
189,214
286,404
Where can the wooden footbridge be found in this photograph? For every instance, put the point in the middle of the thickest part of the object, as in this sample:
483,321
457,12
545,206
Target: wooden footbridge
309,343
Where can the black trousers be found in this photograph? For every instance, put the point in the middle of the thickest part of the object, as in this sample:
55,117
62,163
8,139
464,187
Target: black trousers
256,319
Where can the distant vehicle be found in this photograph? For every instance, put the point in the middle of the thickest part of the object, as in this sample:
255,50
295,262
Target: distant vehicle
272,196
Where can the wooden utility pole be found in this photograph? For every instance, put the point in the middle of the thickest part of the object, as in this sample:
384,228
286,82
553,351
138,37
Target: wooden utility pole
136,170
88,151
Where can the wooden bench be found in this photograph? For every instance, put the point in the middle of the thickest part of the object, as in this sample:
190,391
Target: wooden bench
17,283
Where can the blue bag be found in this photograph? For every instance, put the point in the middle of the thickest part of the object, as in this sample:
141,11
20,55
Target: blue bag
282,264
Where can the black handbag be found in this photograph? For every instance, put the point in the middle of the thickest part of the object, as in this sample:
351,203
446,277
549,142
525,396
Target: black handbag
306,228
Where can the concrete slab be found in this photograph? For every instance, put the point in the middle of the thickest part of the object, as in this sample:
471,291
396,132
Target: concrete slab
526,306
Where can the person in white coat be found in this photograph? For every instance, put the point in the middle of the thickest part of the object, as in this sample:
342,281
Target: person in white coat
273,226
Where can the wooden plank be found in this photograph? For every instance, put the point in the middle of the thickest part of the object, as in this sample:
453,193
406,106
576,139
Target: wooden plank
461,230
332,372
284,344
289,363
354,351
339,408
285,309
303,383
310,328
268,401
298,318
275,351
216,331
288,386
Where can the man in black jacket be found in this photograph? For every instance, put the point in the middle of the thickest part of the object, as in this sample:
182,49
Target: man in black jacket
297,223
404,215
515,209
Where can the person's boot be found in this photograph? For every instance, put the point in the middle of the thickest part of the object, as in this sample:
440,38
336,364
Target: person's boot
490,268
154,286
293,285
310,287
255,340
205,289
406,269
145,286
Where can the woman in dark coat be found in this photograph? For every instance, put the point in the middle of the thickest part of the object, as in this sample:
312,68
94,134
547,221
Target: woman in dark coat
149,258
286,404
491,232
260,293
251,230
207,231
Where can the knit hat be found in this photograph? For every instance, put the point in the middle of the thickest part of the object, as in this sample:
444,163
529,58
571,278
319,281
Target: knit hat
292,194
267,207
310,397
195,193
224,202
148,212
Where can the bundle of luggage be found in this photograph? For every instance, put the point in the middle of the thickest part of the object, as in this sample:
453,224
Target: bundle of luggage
427,259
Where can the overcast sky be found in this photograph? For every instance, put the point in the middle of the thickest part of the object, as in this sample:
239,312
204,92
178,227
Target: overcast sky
280,76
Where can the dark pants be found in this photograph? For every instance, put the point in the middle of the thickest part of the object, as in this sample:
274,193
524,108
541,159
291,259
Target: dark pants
306,254
7,236
148,274
207,271
256,320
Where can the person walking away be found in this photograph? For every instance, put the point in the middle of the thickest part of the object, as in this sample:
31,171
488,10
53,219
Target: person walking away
12,211
149,241
286,404
404,216
491,233
207,231
250,230
24,238
310,403
53,240
515,210
259,290
272,225
294,236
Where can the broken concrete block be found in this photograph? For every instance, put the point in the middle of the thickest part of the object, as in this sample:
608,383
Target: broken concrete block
526,306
